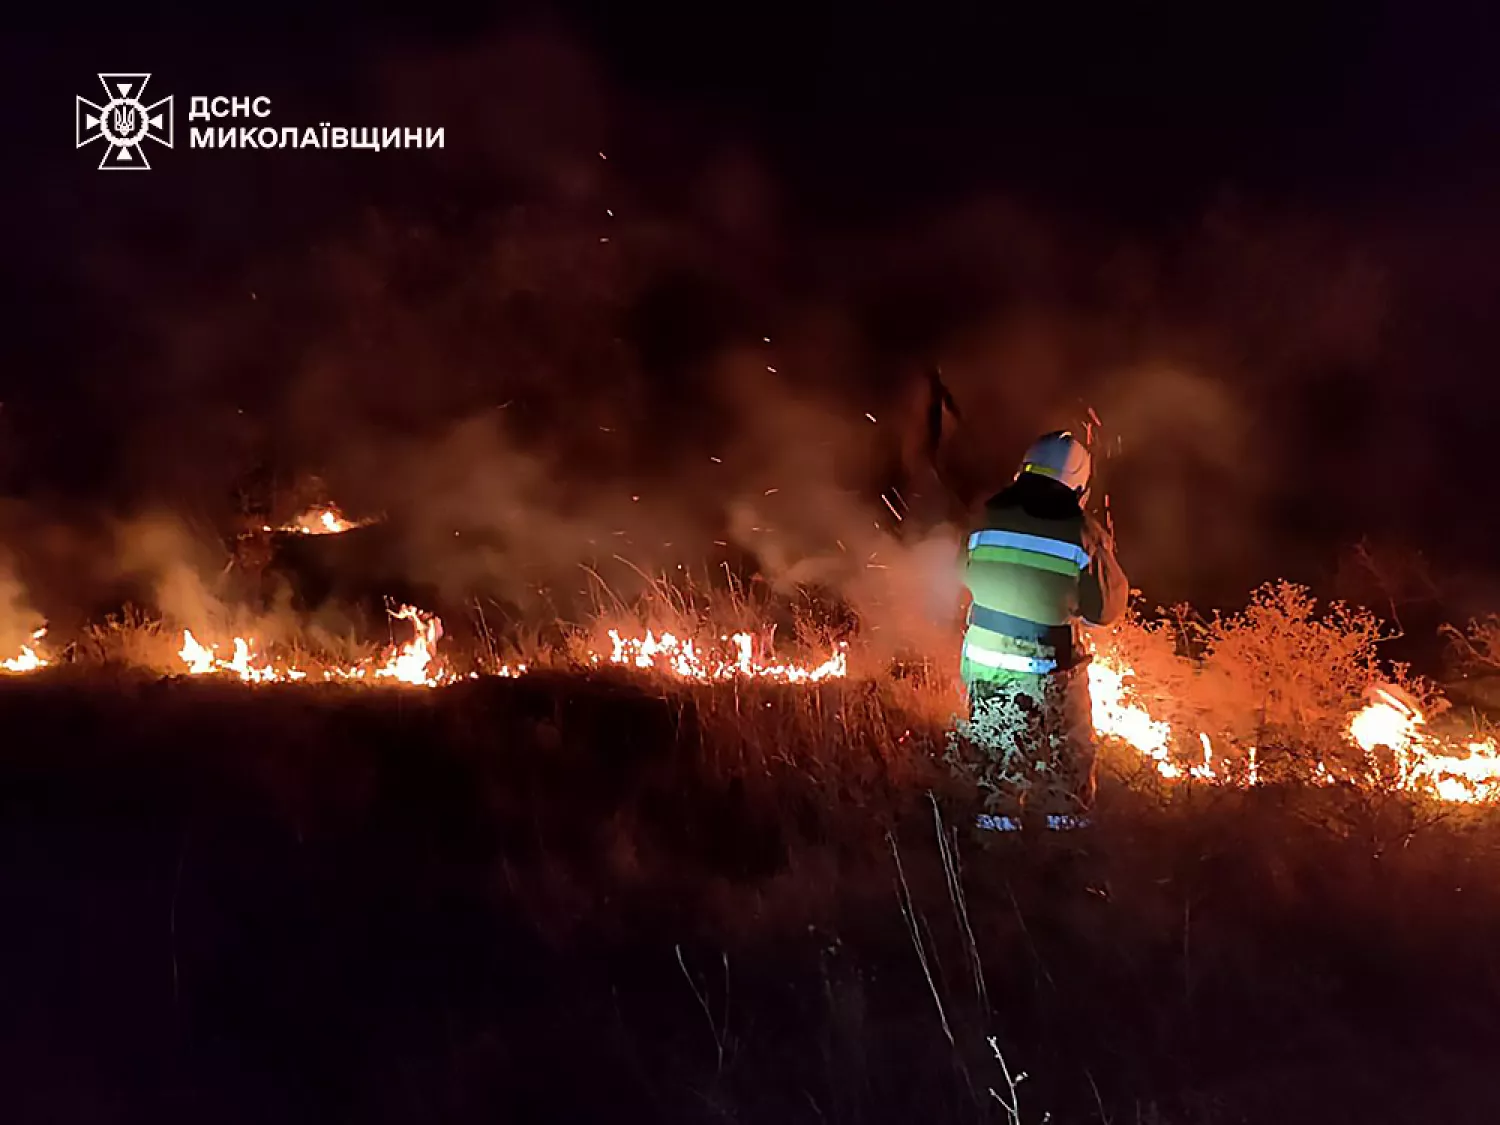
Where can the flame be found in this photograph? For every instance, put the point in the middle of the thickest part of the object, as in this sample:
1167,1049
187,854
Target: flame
412,663
416,662
321,519
1115,718
1472,778
244,664
199,660
1205,772
28,660
1388,720
682,658
1423,759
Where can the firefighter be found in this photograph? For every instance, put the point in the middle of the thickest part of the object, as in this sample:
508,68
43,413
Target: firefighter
1037,565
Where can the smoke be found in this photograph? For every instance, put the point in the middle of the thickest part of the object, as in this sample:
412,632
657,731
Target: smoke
162,552
592,337
18,620
1188,478
163,563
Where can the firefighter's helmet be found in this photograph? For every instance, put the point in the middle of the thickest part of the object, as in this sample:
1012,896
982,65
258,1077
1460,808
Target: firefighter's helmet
1062,457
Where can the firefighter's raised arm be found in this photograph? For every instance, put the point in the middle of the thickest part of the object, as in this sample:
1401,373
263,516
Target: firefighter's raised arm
1103,589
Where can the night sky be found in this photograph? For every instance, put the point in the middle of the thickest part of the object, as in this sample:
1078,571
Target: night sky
1292,204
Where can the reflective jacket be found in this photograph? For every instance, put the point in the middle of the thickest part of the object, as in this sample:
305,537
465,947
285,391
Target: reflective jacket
1035,564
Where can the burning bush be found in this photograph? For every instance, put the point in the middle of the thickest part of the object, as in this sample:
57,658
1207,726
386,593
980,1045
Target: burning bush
1284,678
1266,694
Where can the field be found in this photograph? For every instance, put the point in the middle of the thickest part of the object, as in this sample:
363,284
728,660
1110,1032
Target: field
607,892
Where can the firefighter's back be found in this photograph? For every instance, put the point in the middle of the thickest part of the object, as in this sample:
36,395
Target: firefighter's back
1026,553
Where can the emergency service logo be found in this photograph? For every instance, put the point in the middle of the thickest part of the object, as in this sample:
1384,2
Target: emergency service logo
124,121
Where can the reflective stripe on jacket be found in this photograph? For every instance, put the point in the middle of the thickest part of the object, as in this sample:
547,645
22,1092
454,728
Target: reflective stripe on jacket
1025,576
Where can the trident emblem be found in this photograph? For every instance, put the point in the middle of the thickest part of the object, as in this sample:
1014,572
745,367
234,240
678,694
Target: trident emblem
124,121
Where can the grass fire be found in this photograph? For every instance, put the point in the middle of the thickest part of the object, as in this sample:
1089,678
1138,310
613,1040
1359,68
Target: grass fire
561,565
830,750
1128,708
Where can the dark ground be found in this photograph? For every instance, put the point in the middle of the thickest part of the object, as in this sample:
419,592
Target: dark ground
266,905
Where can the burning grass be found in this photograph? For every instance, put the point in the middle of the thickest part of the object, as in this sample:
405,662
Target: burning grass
414,662
321,519
1282,692
556,843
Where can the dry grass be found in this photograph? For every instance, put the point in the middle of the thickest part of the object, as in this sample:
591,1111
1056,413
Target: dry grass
135,638
132,639
705,607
